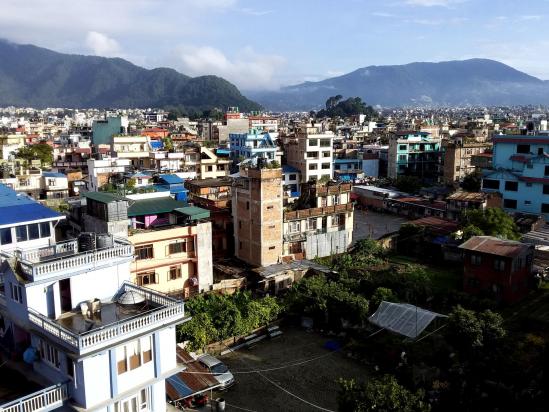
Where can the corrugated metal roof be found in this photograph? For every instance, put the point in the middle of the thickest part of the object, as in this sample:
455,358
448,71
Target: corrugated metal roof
103,197
154,206
26,213
53,174
494,246
171,179
194,212
467,196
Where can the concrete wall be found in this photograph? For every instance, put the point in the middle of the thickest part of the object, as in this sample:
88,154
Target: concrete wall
326,244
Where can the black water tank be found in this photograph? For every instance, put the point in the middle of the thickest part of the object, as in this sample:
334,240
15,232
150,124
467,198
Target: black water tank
104,241
86,242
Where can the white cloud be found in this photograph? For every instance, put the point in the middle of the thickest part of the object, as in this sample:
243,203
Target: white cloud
102,45
531,17
247,69
256,13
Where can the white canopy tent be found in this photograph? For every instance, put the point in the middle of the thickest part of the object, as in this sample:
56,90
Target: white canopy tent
403,318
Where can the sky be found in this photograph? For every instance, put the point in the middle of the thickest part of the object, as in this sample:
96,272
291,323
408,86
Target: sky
260,44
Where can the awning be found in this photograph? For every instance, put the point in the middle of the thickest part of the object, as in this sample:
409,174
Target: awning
177,389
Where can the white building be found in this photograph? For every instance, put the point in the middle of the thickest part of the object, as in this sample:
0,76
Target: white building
99,171
103,343
311,151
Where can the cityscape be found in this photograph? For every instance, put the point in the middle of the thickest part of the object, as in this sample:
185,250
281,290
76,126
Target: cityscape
223,235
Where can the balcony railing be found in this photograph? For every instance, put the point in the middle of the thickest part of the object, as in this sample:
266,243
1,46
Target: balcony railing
45,400
170,310
64,257
317,211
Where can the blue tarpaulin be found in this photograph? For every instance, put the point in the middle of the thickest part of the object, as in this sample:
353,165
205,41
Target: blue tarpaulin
179,386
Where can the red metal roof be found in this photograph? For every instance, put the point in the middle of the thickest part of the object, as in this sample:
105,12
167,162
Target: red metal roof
494,246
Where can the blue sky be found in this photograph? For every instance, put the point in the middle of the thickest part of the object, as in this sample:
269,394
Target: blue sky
265,44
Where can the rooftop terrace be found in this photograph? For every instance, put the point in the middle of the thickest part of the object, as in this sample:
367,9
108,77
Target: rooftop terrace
115,322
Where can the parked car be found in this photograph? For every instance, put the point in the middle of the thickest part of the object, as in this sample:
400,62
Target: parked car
218,369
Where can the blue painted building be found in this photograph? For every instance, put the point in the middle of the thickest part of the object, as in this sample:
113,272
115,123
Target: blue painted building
414,153
520,172
254,144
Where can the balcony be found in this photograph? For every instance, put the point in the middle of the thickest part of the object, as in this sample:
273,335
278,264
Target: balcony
317,211
47,399
115,322
64,257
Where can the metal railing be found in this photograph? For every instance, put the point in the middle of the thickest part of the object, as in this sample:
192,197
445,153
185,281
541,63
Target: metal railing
171,309
44,400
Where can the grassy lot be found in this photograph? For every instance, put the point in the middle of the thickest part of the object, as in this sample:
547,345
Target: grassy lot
443,278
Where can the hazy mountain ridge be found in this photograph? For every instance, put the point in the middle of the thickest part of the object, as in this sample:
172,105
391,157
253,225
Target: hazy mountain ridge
38,77
452,83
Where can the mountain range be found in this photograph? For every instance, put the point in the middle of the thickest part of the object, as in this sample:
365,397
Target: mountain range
37,77
451,83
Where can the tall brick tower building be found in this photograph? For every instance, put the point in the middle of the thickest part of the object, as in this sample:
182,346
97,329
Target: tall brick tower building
257,211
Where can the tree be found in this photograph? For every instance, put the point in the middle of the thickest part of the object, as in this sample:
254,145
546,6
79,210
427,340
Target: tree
492,222
472,182
344,108
40,151
379,394
199,331
381,294
469,329
408,184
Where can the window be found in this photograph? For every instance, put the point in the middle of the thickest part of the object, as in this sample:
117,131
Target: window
312,166
313,142
509,203
177,247
269,207
402,147
175,272
545,208
546,171
294,227
210,168
16,293
325,166
540,150
272,247
490,184
457,168
338,220
247,205
146,278
311,224
134,354
325,154
49,354
401,157
34,231
546,189
523,148
325,143
21,233
499,265
5,236
476,260
45,229
240,245
336,200
292,177
511,186
527,202
70,367
144,252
